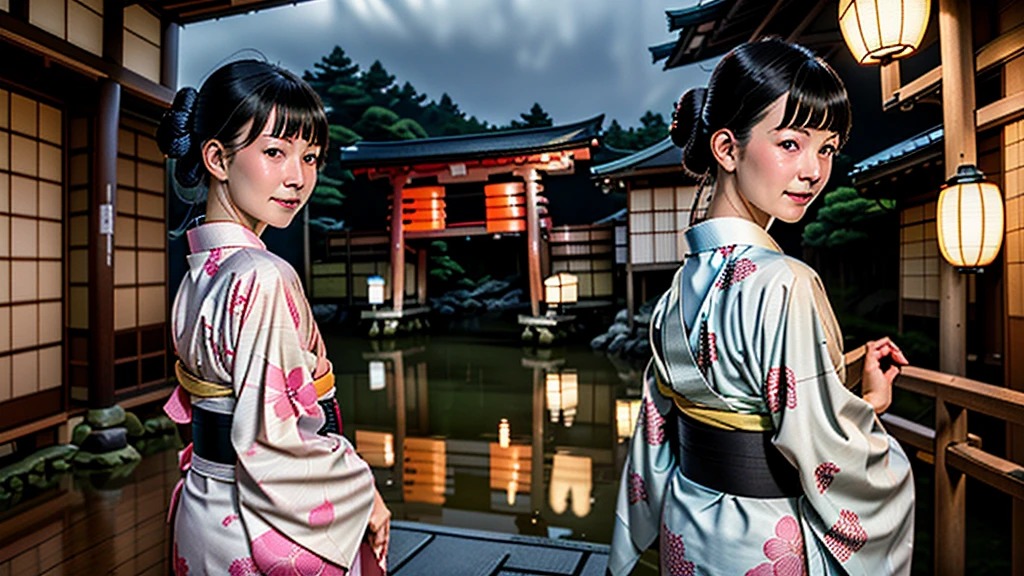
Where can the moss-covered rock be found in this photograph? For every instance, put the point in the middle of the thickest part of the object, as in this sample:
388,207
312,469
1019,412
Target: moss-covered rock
134,425
79,434
159,425
101,418
108,459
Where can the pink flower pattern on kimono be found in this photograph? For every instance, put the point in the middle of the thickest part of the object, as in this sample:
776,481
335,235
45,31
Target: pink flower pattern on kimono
674,561
786,551
727,251
276,555
654,424
735,272
212,263
707,352
180,565
824,474
228,520
289,394
322,515
773,383
846,536
243,567
637,488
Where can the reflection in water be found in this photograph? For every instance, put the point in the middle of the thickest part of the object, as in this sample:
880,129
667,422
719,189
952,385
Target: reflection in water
571,480
423,414
563,395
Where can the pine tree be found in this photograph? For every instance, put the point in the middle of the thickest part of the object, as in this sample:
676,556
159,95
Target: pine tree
537,117
334,78
376,82
653,130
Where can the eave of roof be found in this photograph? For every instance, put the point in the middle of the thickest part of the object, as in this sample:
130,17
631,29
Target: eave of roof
695,15
472,146
191,11
913,150
664,154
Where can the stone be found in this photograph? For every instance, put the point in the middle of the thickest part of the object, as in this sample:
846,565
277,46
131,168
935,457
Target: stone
324,313
471,304
390,327
159,425
374,330
458,295
544,336
642,319
107,440
642,349
617,343
133,425
105,417
528,334
622,317
108,459
616,329
446,310
490,287
79,433
599,342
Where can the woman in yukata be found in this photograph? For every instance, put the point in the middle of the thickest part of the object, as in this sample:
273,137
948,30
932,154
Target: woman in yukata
272,487
751,455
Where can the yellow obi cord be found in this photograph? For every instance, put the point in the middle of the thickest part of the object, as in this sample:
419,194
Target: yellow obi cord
721,419
204,389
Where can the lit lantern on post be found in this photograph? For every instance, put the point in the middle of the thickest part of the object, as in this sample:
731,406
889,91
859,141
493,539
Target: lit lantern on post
969,218
879,32
378,376
562,395
560,289
375,290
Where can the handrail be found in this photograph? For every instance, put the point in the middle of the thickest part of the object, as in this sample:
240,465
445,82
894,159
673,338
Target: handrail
953,450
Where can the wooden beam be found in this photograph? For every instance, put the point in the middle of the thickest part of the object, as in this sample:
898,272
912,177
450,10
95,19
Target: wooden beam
397,243
1001,474
807,21
33,427
1001,49
950,493
890,81
771,14
1000,112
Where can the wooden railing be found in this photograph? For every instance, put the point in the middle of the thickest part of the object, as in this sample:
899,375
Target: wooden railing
957,454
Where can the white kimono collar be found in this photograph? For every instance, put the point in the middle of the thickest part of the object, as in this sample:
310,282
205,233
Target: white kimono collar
716,233
222,235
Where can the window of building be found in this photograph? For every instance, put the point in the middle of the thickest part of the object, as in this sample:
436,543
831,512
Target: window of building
31,246
657,218
1013,191
142,42
80,22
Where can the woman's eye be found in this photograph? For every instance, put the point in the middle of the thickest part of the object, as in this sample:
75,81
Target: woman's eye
310,158
273,152
789,145
828,150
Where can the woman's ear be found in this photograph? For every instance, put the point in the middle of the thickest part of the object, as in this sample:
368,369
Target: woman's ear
215,159
725,149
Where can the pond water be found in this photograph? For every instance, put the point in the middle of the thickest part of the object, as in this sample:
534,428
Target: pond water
481,433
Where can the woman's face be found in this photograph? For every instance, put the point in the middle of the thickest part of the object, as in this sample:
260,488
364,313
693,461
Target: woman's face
272,178
781,170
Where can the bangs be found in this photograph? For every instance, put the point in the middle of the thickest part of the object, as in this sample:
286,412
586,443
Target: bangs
818,100
299,113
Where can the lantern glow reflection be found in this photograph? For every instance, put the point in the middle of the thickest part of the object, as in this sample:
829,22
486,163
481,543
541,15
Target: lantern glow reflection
562,390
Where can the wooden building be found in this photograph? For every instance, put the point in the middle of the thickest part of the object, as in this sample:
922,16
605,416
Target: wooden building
499,179
84,295
659,200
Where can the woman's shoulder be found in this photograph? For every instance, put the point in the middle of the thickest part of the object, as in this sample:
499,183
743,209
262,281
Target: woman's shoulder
265,266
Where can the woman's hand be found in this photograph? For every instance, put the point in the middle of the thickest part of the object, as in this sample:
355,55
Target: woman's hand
379,530
876,383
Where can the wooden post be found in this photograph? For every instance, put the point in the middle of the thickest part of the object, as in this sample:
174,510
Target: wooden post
960,148
950,492
533,237
113,31
630,304
421,276
890,80
101,248
169,54
397,242
398,365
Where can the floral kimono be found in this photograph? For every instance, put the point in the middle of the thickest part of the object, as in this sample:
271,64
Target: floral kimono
296,502
747,332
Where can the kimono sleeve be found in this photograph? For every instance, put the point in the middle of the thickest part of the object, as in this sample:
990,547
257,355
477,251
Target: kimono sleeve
857,481
304,498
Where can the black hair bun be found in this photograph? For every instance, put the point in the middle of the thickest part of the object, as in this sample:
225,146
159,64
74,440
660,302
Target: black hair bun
689,131
174,136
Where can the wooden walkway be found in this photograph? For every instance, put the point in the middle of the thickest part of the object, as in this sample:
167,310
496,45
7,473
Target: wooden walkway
77,528
422,549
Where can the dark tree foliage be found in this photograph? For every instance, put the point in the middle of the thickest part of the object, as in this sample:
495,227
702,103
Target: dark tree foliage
537,117
652,130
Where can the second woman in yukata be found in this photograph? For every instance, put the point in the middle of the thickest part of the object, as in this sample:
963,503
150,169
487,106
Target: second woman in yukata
752,457
272,487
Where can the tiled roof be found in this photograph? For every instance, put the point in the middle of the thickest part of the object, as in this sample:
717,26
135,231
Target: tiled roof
876,162
664,154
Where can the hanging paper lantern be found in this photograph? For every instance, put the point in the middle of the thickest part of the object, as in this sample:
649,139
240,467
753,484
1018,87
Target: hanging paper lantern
969,218
878,31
